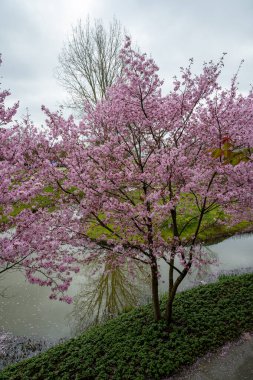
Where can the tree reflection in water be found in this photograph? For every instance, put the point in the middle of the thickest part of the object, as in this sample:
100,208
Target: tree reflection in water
109,292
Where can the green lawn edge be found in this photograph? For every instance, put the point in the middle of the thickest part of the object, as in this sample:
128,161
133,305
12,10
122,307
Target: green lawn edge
132,346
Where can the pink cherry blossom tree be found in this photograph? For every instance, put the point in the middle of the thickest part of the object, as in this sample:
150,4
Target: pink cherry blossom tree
141,176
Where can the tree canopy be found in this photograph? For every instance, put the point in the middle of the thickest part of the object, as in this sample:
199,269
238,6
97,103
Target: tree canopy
140,177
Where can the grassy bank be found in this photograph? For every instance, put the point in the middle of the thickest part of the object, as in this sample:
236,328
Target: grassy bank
217,234
132,346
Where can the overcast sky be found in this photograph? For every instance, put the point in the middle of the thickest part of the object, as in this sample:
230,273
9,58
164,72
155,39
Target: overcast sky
32,34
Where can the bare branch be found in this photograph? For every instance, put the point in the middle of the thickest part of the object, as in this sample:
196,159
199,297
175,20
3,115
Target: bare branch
89,62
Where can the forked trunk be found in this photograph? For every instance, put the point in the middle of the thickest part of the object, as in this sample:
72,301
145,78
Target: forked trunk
171,296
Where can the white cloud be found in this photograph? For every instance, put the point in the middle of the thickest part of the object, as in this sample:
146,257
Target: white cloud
32,34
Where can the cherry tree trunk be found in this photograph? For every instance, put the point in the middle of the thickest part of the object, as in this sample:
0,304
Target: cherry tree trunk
171,297
155,291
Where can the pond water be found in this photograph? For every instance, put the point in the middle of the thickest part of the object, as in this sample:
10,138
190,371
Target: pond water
233,254
27,310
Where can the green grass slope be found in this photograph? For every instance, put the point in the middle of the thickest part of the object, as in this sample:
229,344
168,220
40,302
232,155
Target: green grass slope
132,346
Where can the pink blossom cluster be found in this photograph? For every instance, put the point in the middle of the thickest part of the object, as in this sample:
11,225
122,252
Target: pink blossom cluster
27,240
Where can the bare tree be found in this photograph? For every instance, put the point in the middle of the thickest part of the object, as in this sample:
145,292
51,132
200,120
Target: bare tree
89,62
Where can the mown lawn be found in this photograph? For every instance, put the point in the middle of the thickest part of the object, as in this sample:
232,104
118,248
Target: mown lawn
132,346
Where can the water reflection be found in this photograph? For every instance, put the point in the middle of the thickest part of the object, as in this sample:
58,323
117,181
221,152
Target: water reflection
108,293
27,310
235,253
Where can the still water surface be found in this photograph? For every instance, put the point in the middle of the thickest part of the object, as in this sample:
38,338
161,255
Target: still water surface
27,310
